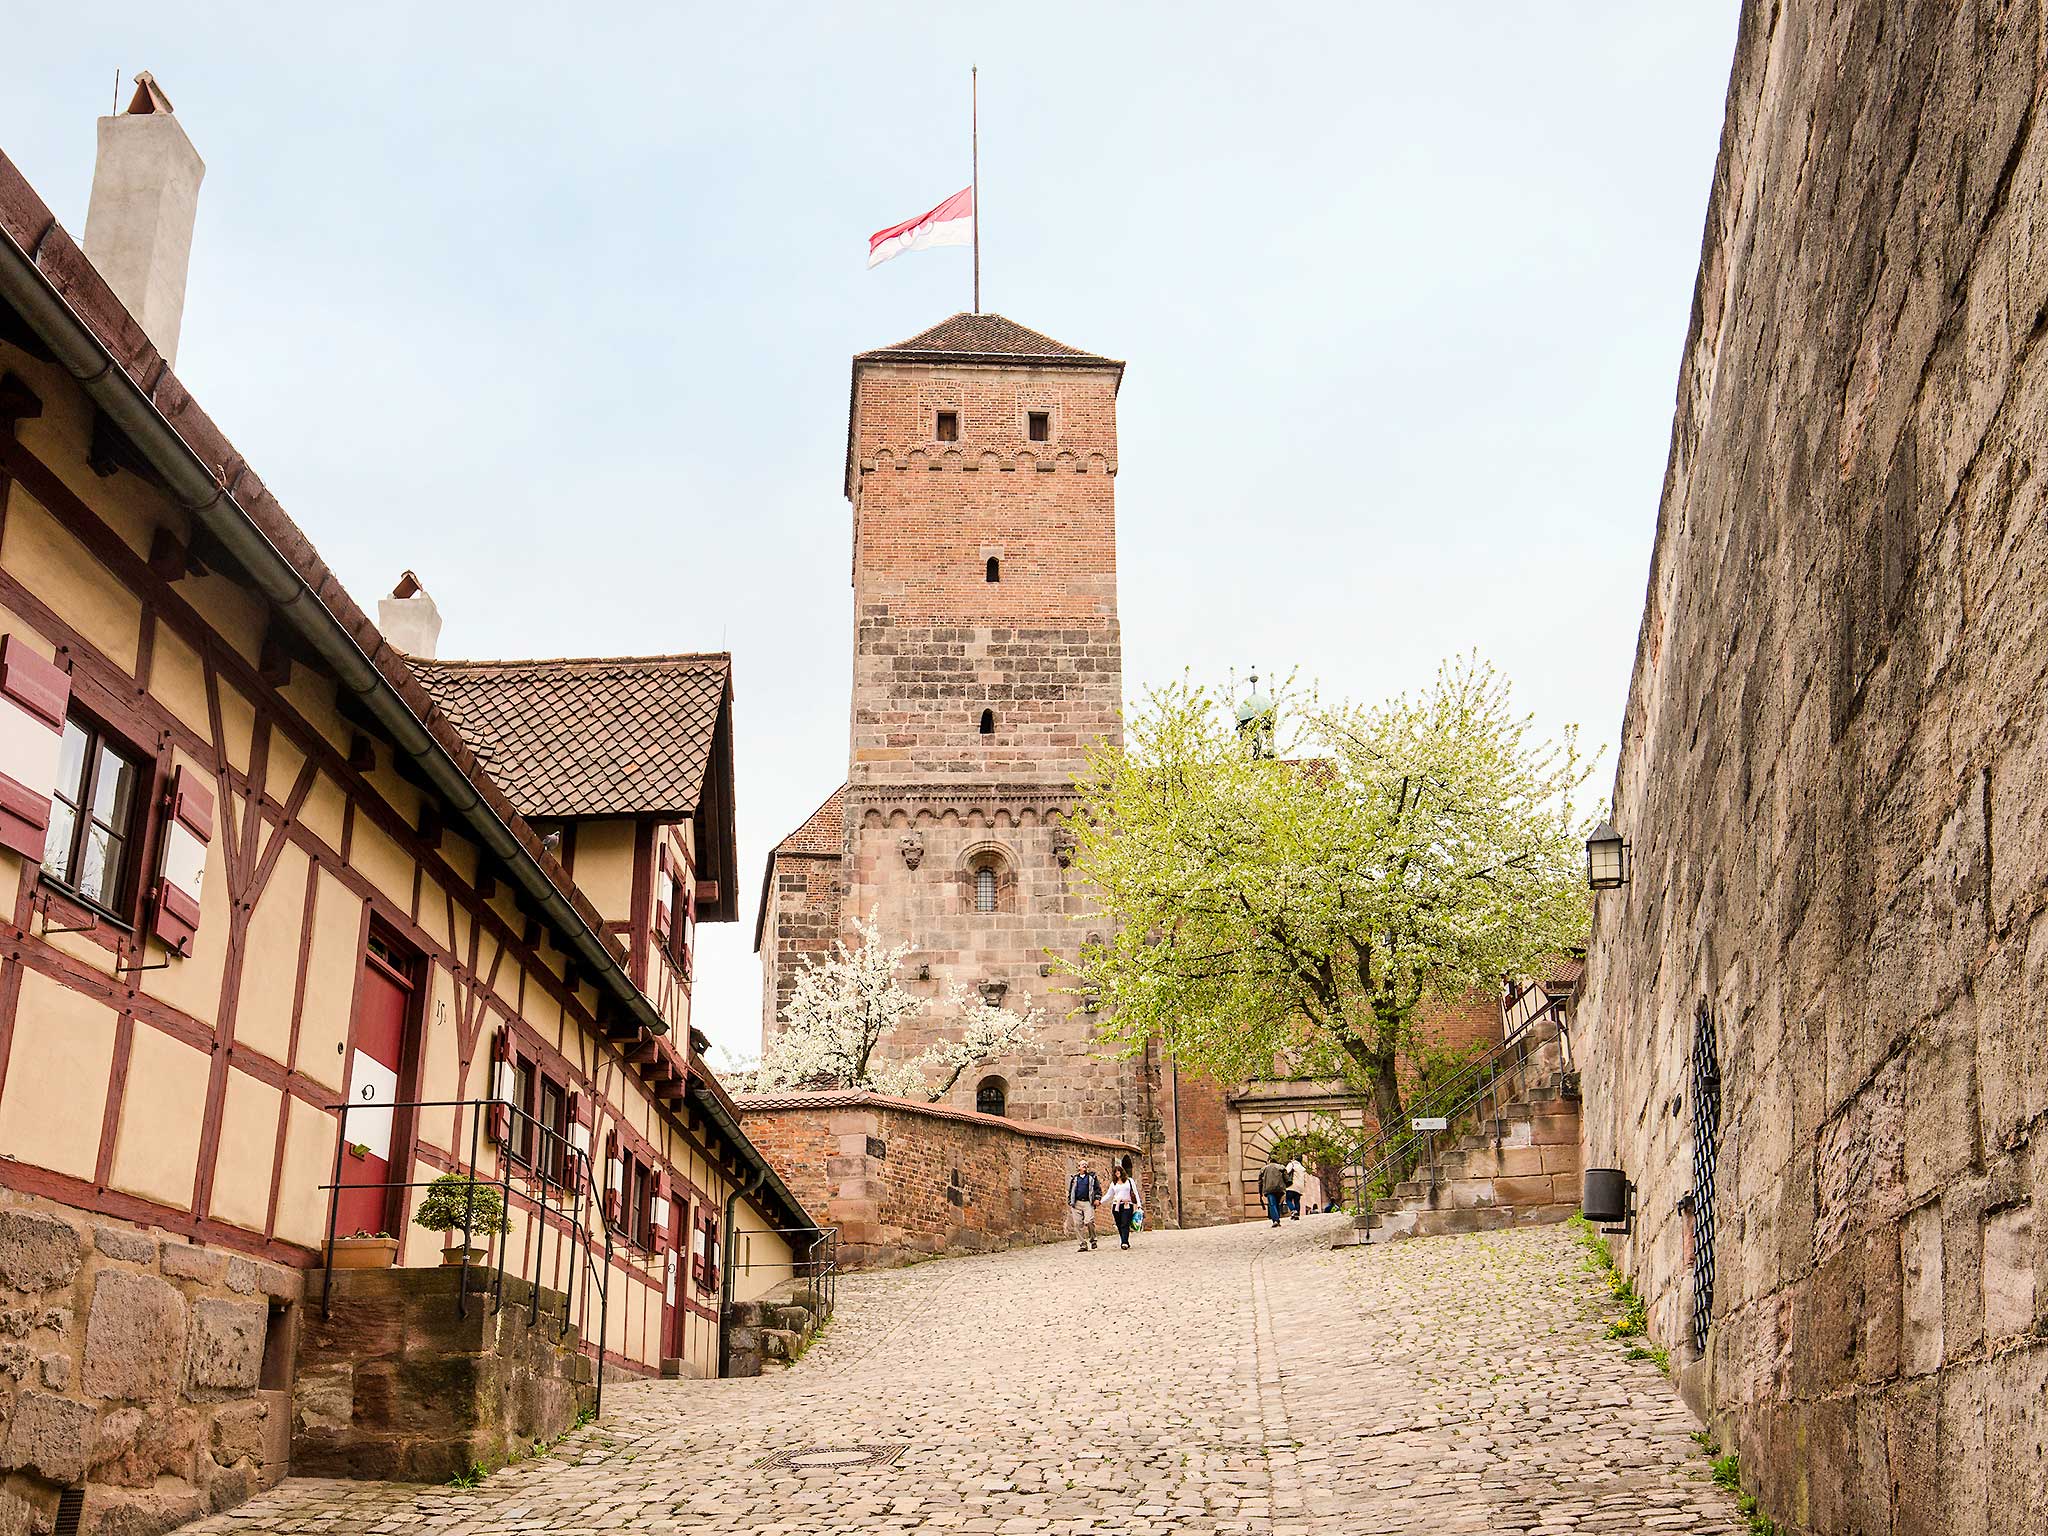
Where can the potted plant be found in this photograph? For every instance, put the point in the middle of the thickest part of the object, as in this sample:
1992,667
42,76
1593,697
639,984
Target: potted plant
363,1250
458,1203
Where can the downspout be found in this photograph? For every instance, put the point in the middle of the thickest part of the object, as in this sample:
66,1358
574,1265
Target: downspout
725,1279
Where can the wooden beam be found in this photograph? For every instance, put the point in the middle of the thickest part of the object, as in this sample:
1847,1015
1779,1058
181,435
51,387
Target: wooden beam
17,401
362,756
169,558
273,662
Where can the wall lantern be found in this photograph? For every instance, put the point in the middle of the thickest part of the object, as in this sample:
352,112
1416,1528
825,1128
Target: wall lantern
1609,1200
1606,858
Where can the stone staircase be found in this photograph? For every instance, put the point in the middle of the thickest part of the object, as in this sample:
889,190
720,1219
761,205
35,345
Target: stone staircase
1510,1160
768,1334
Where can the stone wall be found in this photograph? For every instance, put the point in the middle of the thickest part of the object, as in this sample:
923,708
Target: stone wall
134,1364
904,1181
1834,774
399,1383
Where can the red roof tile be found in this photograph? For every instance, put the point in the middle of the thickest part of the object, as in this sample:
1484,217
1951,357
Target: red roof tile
985,335
588,736
824,831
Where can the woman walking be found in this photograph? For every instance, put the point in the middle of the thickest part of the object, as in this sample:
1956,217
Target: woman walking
1123,1205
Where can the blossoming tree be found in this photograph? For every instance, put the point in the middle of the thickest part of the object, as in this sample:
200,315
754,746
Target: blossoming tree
844,1009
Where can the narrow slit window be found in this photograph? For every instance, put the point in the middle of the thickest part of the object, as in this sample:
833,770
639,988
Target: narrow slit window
948,429
984,889
1038,426
995,569
988,722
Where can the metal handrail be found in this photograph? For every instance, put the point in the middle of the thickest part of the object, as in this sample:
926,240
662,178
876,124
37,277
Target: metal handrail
555,1150
814,1267
1401,1149
1451,1098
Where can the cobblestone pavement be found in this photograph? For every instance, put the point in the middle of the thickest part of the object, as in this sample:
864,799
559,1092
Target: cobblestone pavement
1231,1380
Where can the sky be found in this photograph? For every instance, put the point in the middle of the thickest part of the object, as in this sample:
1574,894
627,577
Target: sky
555,309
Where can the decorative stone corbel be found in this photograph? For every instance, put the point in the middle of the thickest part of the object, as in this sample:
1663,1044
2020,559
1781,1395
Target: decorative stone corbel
1063,846
911,846
993,992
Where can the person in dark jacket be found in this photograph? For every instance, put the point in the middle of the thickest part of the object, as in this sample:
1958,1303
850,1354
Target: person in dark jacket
1273,1187
1084,1193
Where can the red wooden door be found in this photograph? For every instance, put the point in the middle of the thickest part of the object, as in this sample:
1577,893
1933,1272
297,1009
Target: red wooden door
676,1288
375,1064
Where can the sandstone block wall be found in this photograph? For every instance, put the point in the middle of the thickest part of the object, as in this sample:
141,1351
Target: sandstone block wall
399,1383
801,924
1834,773
145,1369
903,1181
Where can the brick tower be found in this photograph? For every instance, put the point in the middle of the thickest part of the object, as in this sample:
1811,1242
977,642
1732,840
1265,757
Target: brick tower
980,465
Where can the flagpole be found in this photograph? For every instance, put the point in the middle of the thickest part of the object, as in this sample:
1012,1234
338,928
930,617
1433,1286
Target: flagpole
974,133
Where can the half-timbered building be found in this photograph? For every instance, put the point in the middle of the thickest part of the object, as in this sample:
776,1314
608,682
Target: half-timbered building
257,864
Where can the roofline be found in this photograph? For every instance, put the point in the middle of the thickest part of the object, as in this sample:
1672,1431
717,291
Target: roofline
362,661
570,661
768,866
1084,361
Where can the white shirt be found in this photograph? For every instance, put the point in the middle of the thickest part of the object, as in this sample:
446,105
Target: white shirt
1123,1192
1296,1175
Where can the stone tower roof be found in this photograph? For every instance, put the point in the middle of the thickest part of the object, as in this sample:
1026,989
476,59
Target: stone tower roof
986,337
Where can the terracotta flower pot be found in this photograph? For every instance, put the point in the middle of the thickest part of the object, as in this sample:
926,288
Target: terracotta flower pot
453,1256
364,1253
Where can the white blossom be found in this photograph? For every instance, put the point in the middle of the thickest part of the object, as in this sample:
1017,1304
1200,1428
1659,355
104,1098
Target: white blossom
845,1006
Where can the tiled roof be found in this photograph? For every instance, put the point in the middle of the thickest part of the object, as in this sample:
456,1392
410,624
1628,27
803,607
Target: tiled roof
597,736
985,335
823,835
825,830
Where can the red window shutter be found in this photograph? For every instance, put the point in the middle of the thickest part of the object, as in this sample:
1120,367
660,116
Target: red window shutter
34,694
658,1222
181,860
500,1124
579,1144
614,1179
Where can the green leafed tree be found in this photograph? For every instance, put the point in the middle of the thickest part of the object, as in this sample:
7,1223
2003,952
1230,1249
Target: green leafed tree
1312,898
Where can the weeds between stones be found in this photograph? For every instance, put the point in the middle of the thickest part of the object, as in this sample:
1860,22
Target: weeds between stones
479,1470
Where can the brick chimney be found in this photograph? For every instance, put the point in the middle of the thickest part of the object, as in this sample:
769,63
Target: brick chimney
145,196
409,618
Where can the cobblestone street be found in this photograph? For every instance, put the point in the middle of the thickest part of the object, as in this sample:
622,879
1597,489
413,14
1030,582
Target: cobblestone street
1235,1379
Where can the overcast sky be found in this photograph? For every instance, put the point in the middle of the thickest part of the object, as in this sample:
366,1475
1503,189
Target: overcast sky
557,310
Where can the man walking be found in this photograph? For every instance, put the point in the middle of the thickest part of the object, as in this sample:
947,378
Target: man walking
1273,1187
1084,1191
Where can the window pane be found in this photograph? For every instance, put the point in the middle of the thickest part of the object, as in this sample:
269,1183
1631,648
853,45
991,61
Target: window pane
71,763
113,792
99,870
522,1089
984,890
57,846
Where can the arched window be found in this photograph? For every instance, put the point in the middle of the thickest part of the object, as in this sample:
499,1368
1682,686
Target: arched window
988,722
985,889
992,1096
995,569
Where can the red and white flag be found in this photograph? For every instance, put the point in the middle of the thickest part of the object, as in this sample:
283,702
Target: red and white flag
951,223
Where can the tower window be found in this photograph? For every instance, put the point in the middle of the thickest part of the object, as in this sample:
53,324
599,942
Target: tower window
948,427
995,569
984,889
992,1096
1038,426
988,722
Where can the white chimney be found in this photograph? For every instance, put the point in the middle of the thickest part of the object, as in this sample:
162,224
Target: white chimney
409,619
138,226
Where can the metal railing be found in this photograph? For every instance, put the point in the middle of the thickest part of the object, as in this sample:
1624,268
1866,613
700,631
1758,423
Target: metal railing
1394,1152
816,1264
554,1163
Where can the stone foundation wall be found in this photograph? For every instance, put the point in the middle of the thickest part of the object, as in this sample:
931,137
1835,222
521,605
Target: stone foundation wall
399,1383
904,1181
134,1364
1833,772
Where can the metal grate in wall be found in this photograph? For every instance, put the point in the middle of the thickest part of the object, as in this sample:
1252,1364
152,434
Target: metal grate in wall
1706,1138
70,1505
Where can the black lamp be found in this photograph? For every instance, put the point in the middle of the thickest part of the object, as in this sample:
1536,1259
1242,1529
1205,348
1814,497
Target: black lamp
1606,858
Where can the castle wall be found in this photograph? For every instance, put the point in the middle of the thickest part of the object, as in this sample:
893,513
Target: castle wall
1832,775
